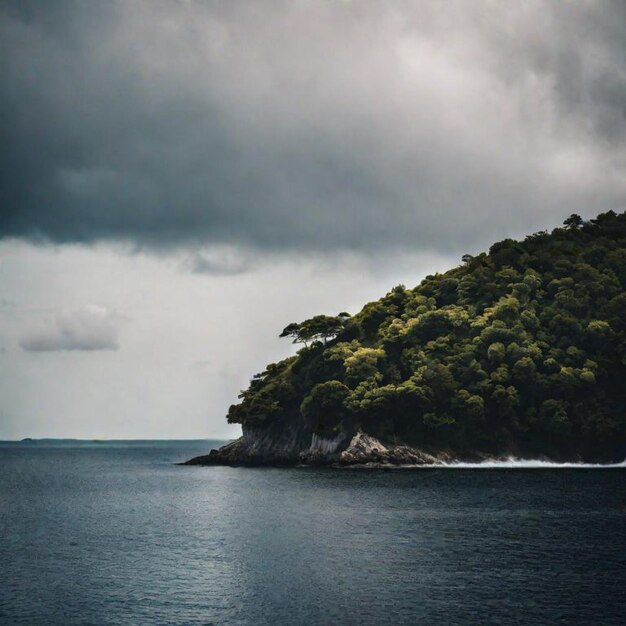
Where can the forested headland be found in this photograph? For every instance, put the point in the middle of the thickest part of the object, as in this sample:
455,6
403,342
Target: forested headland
519,350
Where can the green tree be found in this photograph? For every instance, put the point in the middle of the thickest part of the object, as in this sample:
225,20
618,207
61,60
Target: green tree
573,222
324,406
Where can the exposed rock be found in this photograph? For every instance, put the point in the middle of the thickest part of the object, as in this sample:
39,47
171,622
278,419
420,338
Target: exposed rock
232,453
323,450
259,446
296,447
365,449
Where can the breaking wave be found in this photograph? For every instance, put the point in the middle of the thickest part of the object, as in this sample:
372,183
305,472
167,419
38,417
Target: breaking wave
514,463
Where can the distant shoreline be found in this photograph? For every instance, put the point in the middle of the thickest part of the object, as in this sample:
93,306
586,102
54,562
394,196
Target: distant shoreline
104,441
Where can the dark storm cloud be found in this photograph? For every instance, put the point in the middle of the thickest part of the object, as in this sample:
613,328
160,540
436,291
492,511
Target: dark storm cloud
90,328
308,125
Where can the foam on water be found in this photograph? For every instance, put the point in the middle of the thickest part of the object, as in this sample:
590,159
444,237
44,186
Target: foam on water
515,463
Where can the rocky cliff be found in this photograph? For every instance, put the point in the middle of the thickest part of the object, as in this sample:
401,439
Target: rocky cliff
290,447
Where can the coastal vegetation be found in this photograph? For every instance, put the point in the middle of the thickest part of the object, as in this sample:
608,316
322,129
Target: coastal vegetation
518,350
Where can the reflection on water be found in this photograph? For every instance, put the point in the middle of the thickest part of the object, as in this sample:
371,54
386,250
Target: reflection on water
116,533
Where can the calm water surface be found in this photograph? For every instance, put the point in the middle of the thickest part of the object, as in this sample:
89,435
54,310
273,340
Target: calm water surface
115,533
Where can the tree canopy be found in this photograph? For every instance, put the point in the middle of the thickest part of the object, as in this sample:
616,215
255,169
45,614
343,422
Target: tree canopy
320,327
520,350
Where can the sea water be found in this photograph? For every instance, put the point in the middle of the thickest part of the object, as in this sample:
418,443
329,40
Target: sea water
116,533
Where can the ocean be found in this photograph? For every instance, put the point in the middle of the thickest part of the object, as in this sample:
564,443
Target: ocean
117,533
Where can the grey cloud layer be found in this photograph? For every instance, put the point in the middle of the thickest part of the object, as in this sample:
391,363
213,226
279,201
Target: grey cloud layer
89,328
308,125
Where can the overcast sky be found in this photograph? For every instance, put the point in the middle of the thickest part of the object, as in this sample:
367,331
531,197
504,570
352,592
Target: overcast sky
179,180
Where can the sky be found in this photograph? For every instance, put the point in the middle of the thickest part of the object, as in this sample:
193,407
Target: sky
181,179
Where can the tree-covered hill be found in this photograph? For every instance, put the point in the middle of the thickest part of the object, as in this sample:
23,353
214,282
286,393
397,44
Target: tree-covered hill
521,350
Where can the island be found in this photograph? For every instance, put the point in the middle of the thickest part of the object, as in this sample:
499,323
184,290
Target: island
520,352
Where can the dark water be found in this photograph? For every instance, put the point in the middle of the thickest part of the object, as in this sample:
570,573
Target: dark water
116,534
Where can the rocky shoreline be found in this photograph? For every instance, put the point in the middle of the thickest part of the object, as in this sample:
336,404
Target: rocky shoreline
257,448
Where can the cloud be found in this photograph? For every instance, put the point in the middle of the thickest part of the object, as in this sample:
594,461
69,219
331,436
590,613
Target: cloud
219,262
90,328
309,126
